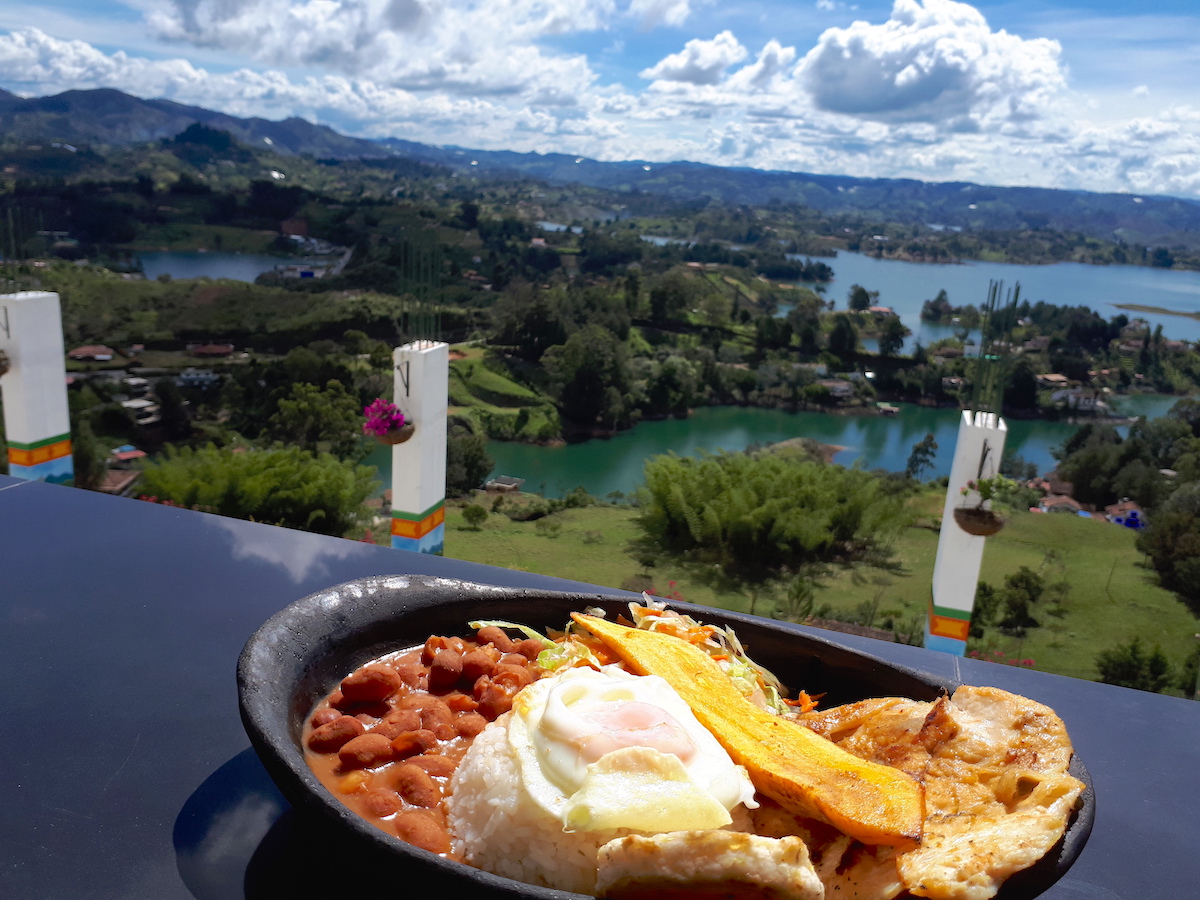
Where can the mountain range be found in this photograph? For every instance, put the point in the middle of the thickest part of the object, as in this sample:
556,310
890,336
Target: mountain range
107,117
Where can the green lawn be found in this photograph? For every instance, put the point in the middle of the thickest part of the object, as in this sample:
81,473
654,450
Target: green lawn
1112,597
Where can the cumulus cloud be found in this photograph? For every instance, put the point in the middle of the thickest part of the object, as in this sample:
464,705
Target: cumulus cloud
36,63
700,62
767,71
661,12
931,93
932,60
488,46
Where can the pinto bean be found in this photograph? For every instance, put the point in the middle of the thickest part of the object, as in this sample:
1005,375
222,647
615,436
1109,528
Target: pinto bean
437,766
414,675
445,670
422,830
334,735
382,802
435,643
530,648
469,724
324,717
490,634
513,677
417,701
461,702
371,683
366,751
410,743
415,786
436,714
478,663
399,720
494,700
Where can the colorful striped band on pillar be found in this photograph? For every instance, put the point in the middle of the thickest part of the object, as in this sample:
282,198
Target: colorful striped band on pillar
947,629
45,460
422,532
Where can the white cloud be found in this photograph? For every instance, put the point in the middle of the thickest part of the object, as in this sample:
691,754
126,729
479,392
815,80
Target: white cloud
767,71
36,63
933,60
488,46
700,62
931,93
661,12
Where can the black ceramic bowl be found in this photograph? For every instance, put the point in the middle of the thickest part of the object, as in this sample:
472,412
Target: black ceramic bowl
301,654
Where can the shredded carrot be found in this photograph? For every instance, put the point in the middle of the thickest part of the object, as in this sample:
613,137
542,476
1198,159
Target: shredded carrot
804,702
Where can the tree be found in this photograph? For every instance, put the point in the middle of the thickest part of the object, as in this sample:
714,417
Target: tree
921,457
1128,665
467,461
750,519
529,319
581,372
1013,465
176,421
474,515
1021,390
673,296
87,457
280,486
987,603
859,299
1021,591
316,419
1172,541
843,340
891,336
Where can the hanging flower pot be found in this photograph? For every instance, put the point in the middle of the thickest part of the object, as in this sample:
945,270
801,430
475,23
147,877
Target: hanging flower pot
386,423
397,435
979,522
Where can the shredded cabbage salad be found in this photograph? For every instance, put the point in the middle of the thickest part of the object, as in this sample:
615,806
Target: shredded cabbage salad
574,648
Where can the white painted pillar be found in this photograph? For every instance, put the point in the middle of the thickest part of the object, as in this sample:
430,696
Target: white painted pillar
959,554
37,422
419,464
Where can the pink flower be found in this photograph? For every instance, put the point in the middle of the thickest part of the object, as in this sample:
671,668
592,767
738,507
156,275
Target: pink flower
382,417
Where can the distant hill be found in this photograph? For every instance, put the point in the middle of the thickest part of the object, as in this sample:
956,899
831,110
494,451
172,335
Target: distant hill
110,117
1134,218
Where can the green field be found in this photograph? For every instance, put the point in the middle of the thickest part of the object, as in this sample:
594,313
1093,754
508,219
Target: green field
1112,595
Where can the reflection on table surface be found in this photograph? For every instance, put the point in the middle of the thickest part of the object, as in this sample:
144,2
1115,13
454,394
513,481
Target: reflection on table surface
128,774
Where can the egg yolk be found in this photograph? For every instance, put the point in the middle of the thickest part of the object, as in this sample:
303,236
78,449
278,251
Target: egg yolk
612,725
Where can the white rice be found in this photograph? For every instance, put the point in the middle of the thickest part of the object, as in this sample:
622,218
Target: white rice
496,826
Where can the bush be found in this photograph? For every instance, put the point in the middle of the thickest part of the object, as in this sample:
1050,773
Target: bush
1128,665
1172,541
474,516
280,486
527,512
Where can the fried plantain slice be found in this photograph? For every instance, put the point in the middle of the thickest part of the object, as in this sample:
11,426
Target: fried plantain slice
802,771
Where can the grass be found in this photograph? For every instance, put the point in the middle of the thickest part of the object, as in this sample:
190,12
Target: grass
1113,596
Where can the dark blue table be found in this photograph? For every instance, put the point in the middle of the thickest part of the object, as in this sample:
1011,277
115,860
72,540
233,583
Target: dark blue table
125,772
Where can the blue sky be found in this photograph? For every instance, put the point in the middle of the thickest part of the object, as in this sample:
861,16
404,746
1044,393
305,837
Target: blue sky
1095,95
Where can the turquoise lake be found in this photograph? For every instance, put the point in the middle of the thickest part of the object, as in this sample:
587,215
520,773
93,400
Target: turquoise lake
616,464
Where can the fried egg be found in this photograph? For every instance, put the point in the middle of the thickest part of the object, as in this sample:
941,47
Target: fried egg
607,749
